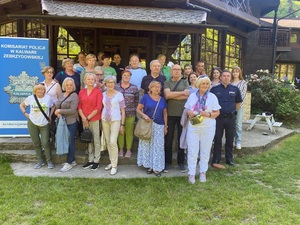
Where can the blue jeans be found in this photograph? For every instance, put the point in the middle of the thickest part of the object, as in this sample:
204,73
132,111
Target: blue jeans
239,126
72,129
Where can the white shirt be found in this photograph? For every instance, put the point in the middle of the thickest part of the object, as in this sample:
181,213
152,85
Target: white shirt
211,104
35,115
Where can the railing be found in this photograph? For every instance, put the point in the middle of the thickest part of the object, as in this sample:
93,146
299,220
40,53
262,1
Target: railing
283,37
242,5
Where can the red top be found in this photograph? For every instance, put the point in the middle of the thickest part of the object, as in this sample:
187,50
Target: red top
88,103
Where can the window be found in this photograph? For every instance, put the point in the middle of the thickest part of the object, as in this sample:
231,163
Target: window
210,49
283,70
71,48
35,29
233,52
9,29
294,38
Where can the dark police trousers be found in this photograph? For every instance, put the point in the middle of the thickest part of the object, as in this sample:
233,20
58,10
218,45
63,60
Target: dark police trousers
172,121
224,122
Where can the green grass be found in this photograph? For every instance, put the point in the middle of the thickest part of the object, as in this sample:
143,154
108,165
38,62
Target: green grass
262,189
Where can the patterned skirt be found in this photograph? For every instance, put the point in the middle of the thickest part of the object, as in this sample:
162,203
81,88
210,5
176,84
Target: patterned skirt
151,153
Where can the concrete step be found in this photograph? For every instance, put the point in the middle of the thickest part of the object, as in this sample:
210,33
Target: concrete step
81,157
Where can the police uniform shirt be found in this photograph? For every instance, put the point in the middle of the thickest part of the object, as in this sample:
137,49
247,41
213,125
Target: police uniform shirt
228,97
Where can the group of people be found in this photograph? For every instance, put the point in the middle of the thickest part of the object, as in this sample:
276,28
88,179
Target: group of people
107,98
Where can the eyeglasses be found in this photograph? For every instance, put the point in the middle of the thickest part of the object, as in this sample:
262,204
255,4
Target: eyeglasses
99,74
110,82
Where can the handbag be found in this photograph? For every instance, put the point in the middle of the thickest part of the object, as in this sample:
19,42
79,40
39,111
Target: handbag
196,119
86,136
62,137
143,129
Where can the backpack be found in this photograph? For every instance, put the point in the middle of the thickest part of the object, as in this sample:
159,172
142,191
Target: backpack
86,136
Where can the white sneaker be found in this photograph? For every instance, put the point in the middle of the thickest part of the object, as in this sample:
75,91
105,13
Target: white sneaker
66,167
73,164
192,179
202,177
113,171
238,146
108,167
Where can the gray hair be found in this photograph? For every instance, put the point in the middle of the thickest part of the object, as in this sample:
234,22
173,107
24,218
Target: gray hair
108,78
154,61
99,69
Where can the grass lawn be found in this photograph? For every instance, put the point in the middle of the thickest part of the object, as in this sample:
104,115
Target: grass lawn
262,189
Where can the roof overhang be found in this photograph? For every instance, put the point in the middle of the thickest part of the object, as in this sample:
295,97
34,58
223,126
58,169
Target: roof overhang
113,16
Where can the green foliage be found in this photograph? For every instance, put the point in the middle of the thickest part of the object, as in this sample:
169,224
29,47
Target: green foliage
286,7
271,95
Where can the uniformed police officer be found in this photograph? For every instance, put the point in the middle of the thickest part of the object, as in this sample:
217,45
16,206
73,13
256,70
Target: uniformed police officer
230,100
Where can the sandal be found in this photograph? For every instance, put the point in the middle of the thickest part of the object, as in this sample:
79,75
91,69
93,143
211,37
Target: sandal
149,171
157,173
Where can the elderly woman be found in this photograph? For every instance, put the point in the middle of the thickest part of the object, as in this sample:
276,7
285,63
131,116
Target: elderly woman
67,106
68,71
151,153
38,124
113,120
52,88
89,108
99,78
238,80
131,96
205,104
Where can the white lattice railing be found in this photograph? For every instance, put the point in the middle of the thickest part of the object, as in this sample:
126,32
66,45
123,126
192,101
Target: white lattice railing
242,5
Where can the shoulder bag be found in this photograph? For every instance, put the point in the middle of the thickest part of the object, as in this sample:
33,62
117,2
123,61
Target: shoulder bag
143,129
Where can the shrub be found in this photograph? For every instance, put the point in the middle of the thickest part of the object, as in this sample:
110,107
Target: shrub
272,95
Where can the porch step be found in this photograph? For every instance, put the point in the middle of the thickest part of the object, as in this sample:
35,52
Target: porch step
81,157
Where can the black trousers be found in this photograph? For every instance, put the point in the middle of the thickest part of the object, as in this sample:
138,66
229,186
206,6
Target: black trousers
173,121
226,124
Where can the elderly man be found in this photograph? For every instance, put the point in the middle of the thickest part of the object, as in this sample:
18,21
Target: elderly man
176,91
230,100
153,76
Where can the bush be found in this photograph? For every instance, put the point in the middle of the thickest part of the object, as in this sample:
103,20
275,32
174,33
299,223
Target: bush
271,95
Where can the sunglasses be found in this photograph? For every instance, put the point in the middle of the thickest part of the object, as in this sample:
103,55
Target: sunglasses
40,84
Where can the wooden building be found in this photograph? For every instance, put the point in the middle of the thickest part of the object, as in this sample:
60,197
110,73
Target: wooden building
216,31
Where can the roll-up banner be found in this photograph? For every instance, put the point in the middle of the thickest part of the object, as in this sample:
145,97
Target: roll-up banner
21,62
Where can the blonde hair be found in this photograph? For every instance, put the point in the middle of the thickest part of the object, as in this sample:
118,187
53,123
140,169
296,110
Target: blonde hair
89,74
38,86
202,79
90,56
46,68
63,85
152,84
240,72
63,63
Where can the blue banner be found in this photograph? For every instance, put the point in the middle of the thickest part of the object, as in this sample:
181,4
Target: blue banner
21,62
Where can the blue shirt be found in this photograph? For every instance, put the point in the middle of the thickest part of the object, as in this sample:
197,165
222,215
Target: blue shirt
149,107
228,97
